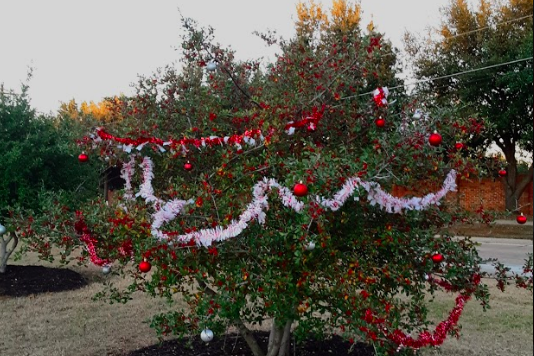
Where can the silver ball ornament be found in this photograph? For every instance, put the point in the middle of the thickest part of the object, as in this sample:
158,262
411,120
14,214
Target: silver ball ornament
310,246
206,335
2,229
106,269
211,66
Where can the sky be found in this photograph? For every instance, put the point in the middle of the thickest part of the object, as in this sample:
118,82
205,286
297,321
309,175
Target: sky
87,50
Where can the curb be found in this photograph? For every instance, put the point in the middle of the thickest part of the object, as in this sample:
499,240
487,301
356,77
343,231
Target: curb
514,269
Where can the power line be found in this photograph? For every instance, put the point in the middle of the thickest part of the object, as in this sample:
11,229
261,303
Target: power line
486,27
464,72
445,76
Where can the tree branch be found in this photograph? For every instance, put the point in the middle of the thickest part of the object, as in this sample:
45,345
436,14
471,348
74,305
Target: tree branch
286,338
243,330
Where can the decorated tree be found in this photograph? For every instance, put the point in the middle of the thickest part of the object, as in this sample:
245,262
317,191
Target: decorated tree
262,195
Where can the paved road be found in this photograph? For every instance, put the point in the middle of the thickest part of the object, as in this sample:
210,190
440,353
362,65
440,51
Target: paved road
511,252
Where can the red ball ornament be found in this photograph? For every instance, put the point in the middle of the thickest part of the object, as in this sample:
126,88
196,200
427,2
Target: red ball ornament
83,157
502,173
437,258
300,189
459,146
435,139
188,166
380,122
145,266
521,219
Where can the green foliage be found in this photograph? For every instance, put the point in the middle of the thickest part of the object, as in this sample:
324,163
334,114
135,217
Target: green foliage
39,156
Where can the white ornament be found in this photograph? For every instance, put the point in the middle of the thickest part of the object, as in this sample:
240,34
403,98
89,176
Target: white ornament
106,269
2,229
206,335
310,246
211,66
417,114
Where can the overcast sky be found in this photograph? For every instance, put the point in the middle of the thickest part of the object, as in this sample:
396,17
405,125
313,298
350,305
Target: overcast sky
86,50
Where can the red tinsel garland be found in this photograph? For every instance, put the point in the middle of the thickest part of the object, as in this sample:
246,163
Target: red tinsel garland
174,143
311,122
426,338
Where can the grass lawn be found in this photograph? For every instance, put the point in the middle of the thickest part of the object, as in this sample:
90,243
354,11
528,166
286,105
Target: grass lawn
70,323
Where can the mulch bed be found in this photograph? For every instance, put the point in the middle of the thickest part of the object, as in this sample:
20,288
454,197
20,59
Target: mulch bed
21,281
234,345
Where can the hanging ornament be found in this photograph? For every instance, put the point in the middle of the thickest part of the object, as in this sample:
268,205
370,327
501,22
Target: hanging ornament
300,189
435,139
521,219
310,246
417,114
502,173
2,229
437,258
380,122
188,166
106,269
206,335
459,146
211,66
145,266
83,157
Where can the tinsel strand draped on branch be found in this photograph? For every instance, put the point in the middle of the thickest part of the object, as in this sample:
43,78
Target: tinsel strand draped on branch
167,211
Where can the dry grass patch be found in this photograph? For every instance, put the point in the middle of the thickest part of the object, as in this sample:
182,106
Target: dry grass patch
513,231
505,329
70,323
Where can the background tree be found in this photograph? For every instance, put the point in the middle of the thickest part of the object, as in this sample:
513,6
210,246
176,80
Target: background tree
38,160
102,112
491,46
37,154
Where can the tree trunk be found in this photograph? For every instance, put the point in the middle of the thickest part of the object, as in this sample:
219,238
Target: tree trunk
5,250
286,340
249,339
243,330
512,188
279,339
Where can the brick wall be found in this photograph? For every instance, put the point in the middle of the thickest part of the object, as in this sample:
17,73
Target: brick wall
473,193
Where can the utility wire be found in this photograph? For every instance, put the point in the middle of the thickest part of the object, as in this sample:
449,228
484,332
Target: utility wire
445,76
486,27
464,72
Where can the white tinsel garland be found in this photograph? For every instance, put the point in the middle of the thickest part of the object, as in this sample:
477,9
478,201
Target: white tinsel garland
167,211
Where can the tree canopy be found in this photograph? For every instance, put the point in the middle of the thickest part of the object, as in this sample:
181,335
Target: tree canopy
37,155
